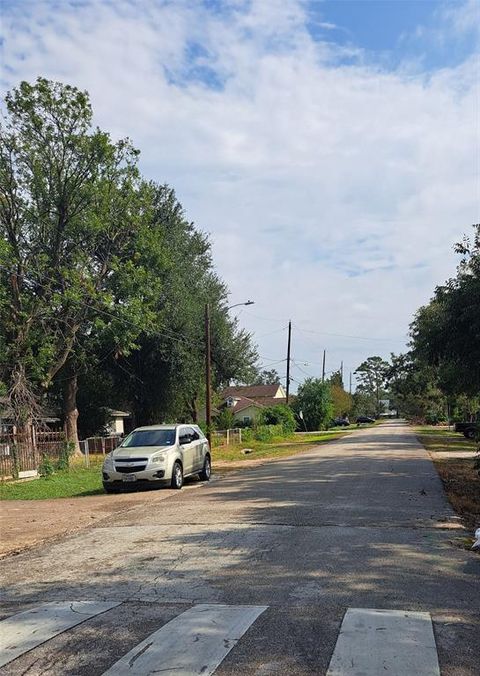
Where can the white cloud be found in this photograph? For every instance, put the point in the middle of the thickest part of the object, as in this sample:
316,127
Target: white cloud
333,193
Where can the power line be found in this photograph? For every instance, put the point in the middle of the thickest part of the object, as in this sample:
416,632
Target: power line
326,333
301,369
161,334
344,335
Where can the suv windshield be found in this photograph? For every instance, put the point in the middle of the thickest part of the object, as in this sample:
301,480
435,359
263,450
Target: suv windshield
149,438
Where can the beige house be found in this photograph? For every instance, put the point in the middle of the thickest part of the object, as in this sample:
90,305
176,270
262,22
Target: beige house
116,425
246,401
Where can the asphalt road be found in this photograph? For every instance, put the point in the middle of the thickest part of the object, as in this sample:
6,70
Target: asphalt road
360,523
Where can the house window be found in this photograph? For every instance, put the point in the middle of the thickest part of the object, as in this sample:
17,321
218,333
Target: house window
246,420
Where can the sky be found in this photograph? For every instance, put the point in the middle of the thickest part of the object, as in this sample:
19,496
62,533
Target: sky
329,148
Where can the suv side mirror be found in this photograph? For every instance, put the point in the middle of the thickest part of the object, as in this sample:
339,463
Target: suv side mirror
184,439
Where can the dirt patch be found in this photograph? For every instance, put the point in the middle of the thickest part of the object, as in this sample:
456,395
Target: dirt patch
462,486
453,457
25,523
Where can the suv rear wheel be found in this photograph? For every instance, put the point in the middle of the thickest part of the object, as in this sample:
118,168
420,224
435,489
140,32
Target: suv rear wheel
177,476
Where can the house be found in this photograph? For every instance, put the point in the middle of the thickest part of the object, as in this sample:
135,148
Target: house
116,424
246,401
48,418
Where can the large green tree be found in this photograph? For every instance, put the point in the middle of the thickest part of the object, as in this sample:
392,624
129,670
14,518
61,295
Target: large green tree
313,402
372,380
164,378
100,271
70,211
342,401
446,332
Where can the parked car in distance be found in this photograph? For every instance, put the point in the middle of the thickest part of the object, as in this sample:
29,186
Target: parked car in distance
341,422
157,455
468,429
364,419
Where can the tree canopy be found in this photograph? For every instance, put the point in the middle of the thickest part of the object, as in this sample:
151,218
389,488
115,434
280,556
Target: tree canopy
103,280
313,402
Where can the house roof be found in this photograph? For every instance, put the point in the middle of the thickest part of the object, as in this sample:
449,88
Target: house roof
242,403
251,391
273,401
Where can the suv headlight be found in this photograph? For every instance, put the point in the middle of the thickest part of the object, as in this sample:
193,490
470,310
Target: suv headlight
157,459
108,459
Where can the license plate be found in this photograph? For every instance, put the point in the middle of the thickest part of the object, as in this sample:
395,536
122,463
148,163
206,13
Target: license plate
129,477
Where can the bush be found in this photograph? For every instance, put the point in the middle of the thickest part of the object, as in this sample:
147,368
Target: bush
279,415
67,451
432,418
314,401
225,419
46,467
247,435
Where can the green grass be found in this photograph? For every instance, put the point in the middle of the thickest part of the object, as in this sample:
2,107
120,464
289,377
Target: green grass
80,481
443,439
275,448
436,431
76,481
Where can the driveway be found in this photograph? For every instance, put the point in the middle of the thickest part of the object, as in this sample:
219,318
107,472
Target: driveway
263,567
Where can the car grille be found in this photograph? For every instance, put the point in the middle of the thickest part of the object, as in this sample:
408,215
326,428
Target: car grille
131,459
129,470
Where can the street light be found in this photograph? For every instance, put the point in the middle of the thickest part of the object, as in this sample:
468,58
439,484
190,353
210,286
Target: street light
208,377
248,302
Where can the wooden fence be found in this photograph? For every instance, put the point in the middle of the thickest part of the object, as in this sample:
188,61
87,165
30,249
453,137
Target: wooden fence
99,445
22,453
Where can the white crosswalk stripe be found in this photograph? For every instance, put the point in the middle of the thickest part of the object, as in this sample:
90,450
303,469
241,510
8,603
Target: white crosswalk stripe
24,631
195,642
394,642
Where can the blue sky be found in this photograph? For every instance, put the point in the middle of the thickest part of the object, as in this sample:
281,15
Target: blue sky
394,30
328,148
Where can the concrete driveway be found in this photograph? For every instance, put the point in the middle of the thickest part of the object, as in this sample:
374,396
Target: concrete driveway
260,569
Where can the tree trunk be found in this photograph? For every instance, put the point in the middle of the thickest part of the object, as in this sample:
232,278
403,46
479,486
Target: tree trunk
70,412
192,405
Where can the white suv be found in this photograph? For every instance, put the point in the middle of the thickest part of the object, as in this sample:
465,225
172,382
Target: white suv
158,454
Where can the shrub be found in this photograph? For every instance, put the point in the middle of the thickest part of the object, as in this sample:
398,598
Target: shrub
67,451
225,419
247,435
314,401
279,415
46,467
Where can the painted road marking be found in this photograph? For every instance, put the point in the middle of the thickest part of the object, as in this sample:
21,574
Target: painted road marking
393,642
194,642
24,631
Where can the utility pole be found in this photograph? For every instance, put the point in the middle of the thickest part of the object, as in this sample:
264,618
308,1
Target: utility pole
350,388
341,371
288,357
323,367
208,379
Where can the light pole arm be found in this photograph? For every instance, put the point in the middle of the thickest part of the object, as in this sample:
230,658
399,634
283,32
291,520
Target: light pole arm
248,302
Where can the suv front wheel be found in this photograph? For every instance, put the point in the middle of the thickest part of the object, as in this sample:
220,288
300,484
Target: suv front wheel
177,476
206,472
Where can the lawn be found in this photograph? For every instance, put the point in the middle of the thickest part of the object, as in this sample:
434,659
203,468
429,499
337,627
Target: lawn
459,477
76,481
80,481
443,439
275,448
